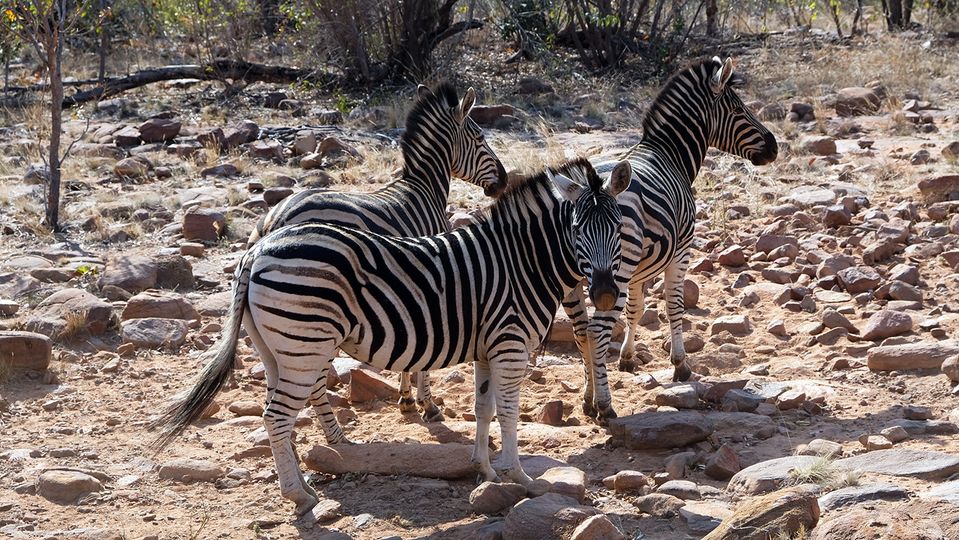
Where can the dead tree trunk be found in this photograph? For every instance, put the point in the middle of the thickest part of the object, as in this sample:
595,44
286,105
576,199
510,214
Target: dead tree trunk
54,62
711,13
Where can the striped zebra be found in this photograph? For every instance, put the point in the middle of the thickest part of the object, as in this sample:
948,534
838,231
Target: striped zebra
440,140
696,109
485,293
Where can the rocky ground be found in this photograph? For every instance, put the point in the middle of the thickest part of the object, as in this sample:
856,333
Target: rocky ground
823,306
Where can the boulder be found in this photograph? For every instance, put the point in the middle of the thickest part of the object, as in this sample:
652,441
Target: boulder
868,522
549,517
159,130
25,350
132,273
723,464
203,224
447,461
174,272
732,256
734,324
654,430
950,368
159,304
939,188
820,145
904,462
921,355
684,489
887,323
190,470
53,316
366,385
597,528
659,505
782,514
854,495
133,167
154,333
65,486
821,448
492,498
857,100
768,475
568,481
493,115
858,279
680,396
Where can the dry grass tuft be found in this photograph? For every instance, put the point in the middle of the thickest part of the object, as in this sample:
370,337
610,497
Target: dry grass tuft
825,473
75,325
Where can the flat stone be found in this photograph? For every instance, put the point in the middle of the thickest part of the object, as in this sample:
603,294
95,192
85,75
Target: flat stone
807,197
25,350
702,517
660,505
925,427
652,430
832,297
630,482
132,273
549,517
922,355
734,324
51,315
428,460
65,487
492,498
597,528
681,396
768,475
740,424
684,489
893,521
324,511
568,481
153,333
904,462
858,279
946,491
887,323
821,448
190,470
853,495
159,304
787,513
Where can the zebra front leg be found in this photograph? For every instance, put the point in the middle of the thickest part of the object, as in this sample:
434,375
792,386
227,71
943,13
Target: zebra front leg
600,333
635,304
286,396
424,398
406,403
508,372
575,307
483,408
324,411
676,309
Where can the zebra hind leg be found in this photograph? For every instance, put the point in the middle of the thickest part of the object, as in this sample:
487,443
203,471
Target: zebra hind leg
406,403
287,394
320,402
676,309
507,375
424,398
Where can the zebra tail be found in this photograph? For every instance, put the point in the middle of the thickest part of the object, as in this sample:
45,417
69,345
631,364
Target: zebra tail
189,406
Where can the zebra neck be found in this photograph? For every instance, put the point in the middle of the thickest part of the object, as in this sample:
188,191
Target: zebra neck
430,176
679,142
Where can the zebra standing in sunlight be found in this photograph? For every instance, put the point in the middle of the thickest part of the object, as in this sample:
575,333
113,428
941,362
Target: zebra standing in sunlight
440,141
485,293
696,109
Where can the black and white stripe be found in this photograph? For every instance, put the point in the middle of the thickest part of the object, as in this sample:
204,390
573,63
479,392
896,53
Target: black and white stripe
696,109
485,293
440,140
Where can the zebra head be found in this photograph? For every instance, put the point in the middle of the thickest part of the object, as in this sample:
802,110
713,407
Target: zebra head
733,127
471,158
596,224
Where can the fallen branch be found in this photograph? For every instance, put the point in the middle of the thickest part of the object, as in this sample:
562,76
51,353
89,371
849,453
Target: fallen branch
218,70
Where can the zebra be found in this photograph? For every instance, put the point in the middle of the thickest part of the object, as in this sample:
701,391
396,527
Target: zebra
440,140
485,293
696,108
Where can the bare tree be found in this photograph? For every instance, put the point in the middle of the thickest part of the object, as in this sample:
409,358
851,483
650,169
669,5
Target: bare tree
43,24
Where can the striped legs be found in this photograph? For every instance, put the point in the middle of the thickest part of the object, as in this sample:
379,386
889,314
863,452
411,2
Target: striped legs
575,307
288,389
635,305
424,398
483,407
675,308
508,366
320,402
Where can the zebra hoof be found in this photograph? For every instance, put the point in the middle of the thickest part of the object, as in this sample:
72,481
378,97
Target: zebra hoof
682,373
432,414
605,415
588,409
305,505
629,366
407,405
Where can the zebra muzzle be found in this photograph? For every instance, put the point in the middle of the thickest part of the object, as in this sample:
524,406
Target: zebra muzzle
603,291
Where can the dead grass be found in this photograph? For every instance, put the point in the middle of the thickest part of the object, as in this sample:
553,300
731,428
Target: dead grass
75,324
824,472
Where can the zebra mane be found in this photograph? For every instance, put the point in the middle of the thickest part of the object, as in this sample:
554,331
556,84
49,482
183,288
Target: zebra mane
424,110
696,71
578,169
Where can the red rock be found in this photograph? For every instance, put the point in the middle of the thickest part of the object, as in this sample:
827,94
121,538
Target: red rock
723,464
25,350
887,323
203,224
938,188
368,386
732,256
552,413
858,279
159,130
854,101
164,305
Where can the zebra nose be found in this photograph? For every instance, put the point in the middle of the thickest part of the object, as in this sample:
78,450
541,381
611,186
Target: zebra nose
602,290
769,152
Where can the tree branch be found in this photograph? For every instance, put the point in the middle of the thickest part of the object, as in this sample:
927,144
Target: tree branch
454,29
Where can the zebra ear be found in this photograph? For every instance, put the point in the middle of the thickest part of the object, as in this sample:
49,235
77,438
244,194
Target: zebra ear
619,179
564,186
722,75
423,91
466,104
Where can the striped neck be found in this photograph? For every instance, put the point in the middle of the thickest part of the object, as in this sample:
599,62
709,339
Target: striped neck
678,123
